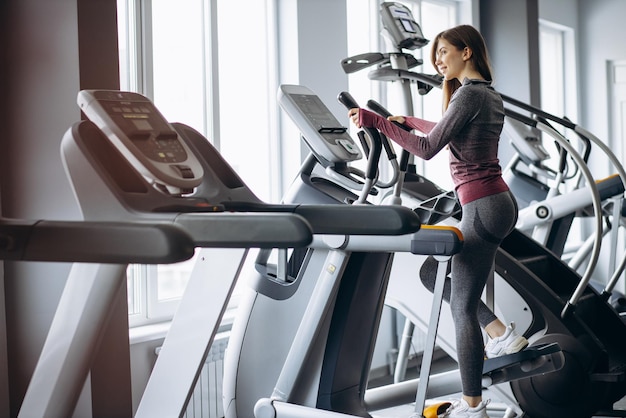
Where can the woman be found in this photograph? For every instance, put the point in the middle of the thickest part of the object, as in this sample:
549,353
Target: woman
470,127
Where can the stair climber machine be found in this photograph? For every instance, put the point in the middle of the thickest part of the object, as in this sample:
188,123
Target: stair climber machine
332,373
547,299
128,164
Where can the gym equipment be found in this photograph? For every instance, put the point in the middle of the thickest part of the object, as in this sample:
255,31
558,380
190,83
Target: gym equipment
131,178
559,306
334,376
93,242
537,323
111,190
527,392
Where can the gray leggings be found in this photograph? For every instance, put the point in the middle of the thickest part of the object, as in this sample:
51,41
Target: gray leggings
485,223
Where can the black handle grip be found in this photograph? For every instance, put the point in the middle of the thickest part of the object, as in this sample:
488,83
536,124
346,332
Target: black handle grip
371,171
347,100
372,162
391,154
378,108
382,111
404,160
364,143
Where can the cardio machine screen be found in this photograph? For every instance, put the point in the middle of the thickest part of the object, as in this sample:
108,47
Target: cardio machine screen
408,25
399,22
144,126
405,19
317,113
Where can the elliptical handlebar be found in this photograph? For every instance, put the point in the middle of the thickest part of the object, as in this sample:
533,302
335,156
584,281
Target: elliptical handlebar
347,100
381,110
371,172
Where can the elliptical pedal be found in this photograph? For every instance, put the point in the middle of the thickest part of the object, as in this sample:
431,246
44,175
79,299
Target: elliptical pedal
541,358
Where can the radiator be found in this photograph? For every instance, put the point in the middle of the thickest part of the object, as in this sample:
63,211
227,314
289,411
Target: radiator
206,400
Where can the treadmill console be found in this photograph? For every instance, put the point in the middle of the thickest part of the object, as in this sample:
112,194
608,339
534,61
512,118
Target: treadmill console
326,137
401,26
144,137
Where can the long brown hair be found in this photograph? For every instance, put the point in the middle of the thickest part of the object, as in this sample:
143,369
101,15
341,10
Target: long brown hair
461,37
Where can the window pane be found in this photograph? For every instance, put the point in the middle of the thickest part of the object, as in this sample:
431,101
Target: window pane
172,279
551,65
177,61
436,17
134,288
244,97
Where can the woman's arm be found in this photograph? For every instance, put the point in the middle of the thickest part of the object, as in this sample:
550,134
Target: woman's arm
463,107
415,144
422,125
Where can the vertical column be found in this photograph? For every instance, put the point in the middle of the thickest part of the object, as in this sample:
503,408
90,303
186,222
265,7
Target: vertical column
98,57
511,31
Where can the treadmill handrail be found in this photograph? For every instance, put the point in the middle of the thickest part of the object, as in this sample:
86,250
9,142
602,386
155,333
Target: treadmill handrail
344,219
246,230
94,242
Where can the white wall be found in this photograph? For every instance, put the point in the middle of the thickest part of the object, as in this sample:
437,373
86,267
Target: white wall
601,25
564,12
601,39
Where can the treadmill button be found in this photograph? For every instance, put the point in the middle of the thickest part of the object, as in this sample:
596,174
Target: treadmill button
184,171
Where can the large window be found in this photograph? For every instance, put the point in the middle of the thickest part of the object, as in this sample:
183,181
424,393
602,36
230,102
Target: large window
213,65
557,63
215,75
558,70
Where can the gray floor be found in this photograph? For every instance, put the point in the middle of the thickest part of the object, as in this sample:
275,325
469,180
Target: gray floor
495,409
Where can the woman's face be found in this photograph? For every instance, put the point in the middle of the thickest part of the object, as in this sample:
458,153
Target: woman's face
450,62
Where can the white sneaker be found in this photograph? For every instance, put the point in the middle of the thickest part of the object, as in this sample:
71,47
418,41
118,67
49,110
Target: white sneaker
461,409
509,343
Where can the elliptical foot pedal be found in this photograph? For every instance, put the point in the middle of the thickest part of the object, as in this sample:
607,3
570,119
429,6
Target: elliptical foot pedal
538,359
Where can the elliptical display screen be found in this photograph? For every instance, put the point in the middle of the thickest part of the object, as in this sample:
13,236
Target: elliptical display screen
324,134
401,26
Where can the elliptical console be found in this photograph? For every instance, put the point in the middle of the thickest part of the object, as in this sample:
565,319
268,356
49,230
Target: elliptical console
401,26
324,134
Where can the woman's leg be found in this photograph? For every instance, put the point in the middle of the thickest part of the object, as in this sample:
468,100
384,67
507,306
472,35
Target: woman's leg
484,225
487,319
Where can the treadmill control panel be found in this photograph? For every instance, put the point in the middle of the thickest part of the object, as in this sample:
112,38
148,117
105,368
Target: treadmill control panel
401,26
139,131
325,136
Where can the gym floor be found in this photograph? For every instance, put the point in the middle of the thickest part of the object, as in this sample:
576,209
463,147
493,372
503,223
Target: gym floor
495,409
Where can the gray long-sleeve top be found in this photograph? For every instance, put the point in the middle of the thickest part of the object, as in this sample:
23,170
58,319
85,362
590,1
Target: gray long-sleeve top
471,126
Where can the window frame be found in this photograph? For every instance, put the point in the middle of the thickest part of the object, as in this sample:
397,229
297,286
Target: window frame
136,74
568,90
136,25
